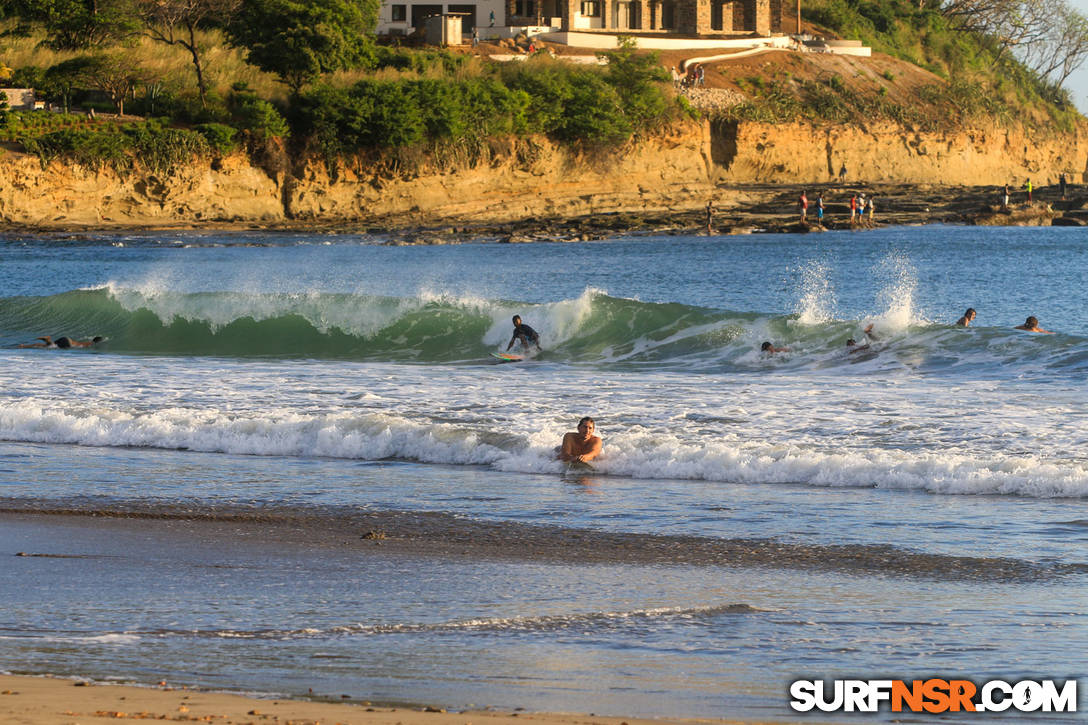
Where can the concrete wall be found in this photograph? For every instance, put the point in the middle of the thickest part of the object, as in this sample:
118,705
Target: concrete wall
664,42
484,8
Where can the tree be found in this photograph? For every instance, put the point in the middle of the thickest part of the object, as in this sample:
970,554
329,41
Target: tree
114,75
300,40
1065,47
62,79
80,24
637,78
175,22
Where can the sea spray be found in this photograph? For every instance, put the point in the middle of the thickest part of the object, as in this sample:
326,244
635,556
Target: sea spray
897,283
816,300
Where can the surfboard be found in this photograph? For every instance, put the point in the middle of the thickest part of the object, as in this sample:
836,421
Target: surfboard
507,357
579,466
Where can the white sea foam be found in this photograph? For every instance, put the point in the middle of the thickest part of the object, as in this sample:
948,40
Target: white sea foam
633,452
114,638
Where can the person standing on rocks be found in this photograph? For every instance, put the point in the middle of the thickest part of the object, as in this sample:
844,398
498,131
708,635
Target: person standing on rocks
802,203
709,216
853,209
820,208
1005,198
870,210
1061,184
1029,190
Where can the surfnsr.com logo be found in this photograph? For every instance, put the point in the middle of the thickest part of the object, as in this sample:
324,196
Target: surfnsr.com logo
933,695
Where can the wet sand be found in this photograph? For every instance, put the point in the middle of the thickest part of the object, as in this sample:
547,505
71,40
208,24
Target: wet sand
49,701
444,536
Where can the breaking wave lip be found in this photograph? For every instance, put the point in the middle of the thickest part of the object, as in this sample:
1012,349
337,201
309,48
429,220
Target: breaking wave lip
591,328
517,624
387,436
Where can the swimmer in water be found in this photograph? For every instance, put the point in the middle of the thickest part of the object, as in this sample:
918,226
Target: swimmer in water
62,343
852,346
1032,325
770,349
967,319
581,446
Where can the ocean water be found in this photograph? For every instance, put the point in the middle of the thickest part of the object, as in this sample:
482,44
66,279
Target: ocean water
914,509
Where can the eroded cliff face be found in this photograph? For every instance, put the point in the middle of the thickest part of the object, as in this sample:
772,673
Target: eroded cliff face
540,179
803,153
675,170
65,196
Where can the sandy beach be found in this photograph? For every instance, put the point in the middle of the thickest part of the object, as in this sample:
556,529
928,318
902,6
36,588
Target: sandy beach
49,701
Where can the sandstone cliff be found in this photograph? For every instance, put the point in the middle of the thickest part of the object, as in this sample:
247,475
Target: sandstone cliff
672,171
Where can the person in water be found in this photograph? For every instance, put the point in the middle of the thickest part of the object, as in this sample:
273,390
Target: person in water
524,333
770,349
1032,325
62,342
852,346
581,446
967,319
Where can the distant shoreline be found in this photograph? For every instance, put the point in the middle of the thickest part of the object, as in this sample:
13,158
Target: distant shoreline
770,208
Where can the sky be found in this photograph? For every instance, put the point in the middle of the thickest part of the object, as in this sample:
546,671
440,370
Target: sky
1078,82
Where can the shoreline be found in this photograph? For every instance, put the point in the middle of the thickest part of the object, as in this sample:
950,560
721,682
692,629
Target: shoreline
739,210
48,700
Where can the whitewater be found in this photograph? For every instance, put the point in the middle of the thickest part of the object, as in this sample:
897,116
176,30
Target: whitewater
257,375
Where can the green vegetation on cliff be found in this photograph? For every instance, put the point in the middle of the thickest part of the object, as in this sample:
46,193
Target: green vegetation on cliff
286,79
1005,60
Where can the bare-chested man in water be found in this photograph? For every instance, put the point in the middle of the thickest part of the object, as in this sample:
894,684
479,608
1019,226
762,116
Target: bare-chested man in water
583,446
1032,325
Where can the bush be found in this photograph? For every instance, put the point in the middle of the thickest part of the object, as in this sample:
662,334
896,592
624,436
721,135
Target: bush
220,137
375,114
639,81
255,115
593,114
159,149
569,103
92,148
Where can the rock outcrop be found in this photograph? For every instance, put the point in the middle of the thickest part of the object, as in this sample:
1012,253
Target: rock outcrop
675,170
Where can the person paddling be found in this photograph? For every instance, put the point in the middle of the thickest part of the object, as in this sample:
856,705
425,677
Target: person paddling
63,343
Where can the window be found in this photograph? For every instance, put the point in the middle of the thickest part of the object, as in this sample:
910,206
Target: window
400,13
525,8
591,8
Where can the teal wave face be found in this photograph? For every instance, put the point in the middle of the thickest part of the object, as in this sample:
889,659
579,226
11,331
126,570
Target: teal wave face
592,328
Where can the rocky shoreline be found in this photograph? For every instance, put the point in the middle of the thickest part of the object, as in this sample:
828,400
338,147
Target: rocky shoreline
771,209
743,210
